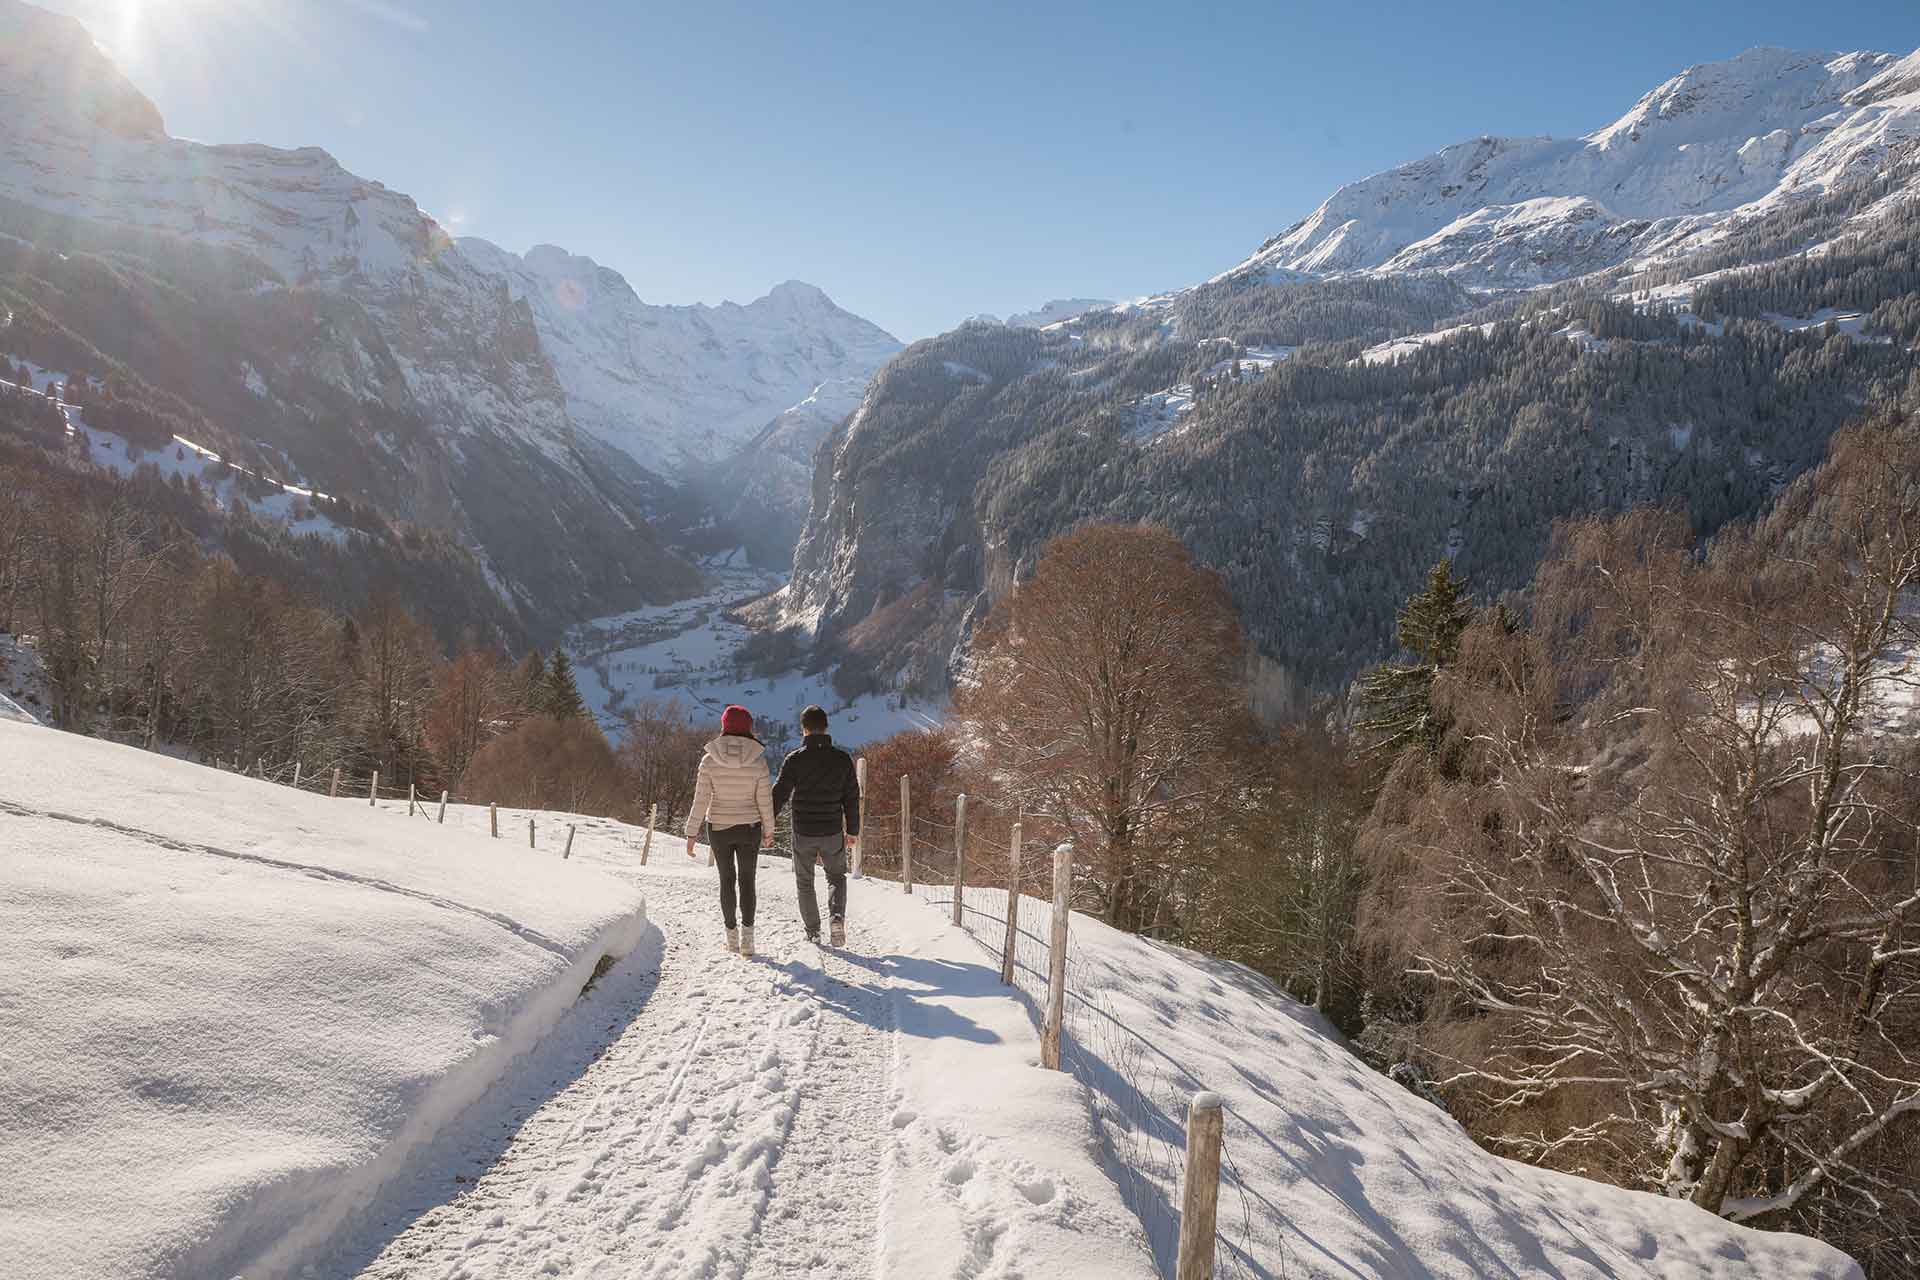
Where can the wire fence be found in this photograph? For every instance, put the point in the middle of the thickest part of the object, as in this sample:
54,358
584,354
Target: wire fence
1139,1094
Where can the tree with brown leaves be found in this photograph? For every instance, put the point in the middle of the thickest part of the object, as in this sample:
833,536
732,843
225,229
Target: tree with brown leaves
1105,694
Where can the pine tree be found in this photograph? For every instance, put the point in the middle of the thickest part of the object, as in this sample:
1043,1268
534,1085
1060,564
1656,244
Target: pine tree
563,700
1399,696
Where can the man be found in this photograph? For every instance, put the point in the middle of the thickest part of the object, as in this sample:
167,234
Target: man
826,820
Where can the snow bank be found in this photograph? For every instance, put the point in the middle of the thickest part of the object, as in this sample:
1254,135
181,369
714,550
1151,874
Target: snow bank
993,1171
1332,1169
234,1008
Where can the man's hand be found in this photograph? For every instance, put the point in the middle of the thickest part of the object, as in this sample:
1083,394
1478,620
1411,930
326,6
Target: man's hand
689,846
853,844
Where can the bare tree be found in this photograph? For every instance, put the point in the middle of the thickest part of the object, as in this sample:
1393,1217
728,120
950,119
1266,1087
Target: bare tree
396,661
660,753
1678,882
20,504
1287,878
1105,693
474,702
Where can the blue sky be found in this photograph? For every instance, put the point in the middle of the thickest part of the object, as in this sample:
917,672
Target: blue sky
920,162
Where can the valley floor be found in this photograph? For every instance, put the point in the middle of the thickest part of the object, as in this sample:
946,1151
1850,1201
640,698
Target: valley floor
689,653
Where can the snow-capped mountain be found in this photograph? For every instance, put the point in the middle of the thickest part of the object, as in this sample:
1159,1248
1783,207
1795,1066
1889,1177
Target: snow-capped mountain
1717,144
453,373
1055,311
762,493
1780,187
681,386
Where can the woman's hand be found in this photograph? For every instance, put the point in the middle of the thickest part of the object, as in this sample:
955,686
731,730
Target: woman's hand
766,840
689,846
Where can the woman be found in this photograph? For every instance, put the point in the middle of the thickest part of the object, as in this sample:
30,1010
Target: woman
735,798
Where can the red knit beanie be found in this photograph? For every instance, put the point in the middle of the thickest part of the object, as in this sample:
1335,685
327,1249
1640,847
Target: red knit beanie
737,720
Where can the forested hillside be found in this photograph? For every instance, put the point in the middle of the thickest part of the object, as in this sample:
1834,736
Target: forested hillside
1262,418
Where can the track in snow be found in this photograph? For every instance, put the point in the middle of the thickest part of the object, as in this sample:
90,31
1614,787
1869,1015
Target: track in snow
716,1117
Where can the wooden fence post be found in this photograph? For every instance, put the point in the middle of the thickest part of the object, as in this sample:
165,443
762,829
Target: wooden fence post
529,833
1013,907
959,857
906,835
410,799
296,775
859,842
493,819
1057,961
1200,1189
443,808
334,790
260,766
373,789
653,815
568,851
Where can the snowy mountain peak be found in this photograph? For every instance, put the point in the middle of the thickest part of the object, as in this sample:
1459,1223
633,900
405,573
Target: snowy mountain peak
49,65
1714,100
680,386
1894,80
798,293
1054,312
1717,142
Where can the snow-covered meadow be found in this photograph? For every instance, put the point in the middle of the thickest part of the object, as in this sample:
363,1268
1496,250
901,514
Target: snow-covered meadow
260,1032
233,1008
1331,1169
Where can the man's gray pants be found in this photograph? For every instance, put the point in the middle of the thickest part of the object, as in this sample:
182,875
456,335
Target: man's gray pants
832,853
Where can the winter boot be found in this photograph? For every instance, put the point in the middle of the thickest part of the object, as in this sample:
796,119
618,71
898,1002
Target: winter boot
746,941
733,939
839,932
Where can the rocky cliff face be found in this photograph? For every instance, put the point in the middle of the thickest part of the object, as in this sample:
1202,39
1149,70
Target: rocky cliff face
533,405
760,496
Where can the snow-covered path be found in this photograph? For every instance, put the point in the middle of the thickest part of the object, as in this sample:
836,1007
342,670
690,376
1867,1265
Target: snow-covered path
734,1125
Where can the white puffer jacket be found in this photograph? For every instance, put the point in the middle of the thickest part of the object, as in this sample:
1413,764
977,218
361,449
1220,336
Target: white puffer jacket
733,789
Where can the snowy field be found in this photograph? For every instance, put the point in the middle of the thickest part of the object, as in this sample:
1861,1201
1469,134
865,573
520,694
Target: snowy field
280,1035
1333,1170
233,1008
689,652
820,1113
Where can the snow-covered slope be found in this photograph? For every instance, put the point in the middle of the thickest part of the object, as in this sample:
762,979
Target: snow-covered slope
233,1008
827,1113
1335,1171
1715,144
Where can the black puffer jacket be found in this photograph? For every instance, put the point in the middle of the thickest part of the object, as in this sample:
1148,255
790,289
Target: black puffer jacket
825,789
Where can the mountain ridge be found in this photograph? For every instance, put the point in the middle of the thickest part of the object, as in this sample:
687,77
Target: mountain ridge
347,334
1717,143
1320,428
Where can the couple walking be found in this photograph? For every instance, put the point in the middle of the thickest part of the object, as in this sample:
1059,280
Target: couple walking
733,796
